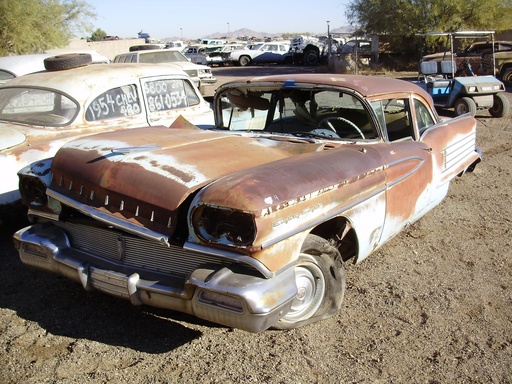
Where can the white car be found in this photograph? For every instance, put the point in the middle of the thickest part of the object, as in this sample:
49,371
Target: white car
19,65
273,52
42,111
15,66
201,75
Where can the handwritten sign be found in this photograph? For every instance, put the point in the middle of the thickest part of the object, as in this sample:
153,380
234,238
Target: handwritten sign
116,102
164,95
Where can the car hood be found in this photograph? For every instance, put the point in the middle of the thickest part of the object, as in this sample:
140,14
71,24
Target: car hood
10,137
142,173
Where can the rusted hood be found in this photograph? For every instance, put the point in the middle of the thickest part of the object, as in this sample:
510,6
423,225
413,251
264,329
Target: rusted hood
157,168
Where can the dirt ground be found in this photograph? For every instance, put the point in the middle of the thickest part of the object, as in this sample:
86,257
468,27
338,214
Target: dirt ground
434,305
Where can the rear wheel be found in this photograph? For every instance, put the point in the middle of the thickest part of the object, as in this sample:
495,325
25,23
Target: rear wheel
465,105
506,76
244,60
320,279
500,106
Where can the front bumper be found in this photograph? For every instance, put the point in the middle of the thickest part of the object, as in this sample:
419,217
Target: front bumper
208,80
220,294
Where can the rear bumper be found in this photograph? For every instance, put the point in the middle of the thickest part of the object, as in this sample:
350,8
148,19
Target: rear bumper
218,294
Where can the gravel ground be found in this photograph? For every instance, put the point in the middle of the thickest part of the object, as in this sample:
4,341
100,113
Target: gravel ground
434,305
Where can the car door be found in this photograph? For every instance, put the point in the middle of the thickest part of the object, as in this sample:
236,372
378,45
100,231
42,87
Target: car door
408,164
422,157
271,54
166,98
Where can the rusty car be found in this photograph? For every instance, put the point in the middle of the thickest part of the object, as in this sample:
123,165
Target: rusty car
249,224
40,112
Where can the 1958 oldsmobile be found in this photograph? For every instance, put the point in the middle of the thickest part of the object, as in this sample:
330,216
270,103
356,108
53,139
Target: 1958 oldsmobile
249,224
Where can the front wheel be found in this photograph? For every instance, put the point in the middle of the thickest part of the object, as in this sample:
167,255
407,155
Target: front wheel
500,106
244,60
465,105
311,57
320,279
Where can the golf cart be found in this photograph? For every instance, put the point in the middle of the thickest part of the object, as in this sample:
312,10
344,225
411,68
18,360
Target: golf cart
464,92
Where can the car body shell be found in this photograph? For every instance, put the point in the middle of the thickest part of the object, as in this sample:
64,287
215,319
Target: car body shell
23,143
219,55
217,217
194,54
359,47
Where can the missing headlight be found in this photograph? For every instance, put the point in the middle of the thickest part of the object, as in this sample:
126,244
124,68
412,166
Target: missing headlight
224,225
33,191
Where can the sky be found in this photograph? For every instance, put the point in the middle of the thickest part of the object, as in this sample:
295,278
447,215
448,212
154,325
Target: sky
193,19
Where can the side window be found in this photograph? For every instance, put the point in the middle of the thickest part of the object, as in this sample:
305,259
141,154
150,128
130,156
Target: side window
423,117
398,119
116,102
167,94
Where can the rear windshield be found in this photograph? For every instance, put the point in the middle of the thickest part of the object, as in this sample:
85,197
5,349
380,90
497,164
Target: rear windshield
163,56
36,106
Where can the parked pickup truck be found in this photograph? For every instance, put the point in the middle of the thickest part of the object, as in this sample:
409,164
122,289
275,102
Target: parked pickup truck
502,65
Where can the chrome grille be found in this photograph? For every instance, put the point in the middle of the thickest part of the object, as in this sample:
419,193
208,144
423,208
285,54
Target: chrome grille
135,252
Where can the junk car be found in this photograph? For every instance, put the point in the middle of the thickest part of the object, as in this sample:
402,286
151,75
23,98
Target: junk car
40,112
201,75
249,224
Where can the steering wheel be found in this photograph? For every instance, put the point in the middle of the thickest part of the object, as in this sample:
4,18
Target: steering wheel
327,122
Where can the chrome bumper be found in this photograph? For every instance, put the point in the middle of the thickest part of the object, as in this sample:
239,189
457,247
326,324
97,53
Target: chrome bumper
220,295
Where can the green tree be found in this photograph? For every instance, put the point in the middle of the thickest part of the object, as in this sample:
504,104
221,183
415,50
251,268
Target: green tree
407,17
32,26
98,34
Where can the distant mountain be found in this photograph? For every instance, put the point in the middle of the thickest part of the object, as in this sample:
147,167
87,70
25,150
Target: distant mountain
243,32
248,33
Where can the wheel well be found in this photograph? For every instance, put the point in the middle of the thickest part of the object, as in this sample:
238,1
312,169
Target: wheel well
505,68
311,47
339,232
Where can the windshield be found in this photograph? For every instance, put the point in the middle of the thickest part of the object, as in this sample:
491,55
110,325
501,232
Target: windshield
42,107
303,112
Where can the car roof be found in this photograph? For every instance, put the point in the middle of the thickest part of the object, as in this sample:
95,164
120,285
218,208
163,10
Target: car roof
365,85
22,64
78,82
